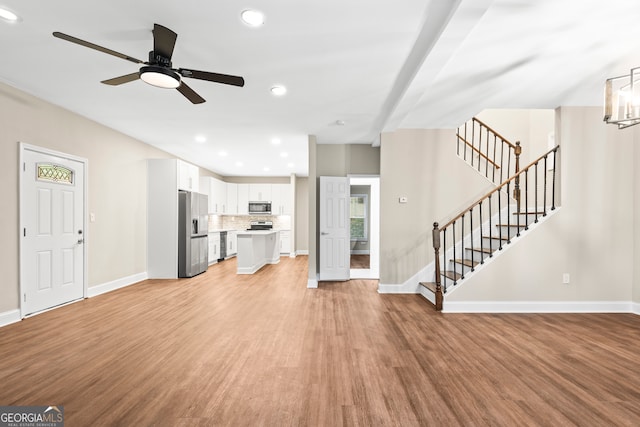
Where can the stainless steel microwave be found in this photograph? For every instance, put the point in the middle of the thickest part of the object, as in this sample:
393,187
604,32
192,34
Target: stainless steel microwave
259,208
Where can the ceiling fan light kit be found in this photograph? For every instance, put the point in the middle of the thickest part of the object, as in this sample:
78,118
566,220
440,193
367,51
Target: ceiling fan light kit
160,77
158,70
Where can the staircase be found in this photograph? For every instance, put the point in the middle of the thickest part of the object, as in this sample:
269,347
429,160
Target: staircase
491,223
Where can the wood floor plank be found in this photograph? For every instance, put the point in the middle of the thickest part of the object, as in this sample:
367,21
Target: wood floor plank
263,350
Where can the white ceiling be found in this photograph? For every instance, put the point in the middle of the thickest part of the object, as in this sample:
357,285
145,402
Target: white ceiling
378,65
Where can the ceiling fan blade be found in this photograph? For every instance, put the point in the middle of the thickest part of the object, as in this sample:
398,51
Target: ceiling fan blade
95,46
122,79
164,40
212,77
190,94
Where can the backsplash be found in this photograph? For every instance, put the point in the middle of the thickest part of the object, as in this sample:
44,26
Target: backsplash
242,222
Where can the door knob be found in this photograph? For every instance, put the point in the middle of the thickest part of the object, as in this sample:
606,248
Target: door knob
80,241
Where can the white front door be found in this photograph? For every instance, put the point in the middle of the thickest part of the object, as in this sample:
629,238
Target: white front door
52,229
334,228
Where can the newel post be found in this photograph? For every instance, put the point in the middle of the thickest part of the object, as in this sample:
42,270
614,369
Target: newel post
516,190
436,248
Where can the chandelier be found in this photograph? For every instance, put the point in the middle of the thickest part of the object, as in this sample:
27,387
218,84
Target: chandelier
622,99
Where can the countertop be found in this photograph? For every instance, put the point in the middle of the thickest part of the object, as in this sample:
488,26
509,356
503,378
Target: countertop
258,232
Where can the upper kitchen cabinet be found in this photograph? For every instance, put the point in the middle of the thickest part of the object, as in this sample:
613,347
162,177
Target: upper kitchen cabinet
217,192
232,198
281,199
260,192
188,176
243,199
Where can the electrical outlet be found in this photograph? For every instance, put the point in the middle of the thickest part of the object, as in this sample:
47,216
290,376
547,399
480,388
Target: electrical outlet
566,278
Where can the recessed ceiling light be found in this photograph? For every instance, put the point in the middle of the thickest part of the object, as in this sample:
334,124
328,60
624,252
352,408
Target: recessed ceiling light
284,154
276,141
278,90
266,169
340,122
7,15
201,139
252,17
222,153
239,164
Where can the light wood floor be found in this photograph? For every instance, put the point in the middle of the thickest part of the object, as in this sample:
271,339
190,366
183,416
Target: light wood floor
360,261
264,350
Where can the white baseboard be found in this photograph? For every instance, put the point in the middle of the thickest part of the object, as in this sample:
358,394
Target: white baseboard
302,252
116,284
9,317
312,284
537,307
409,287
635,308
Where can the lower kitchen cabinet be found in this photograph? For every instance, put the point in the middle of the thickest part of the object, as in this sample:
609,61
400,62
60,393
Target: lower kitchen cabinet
285,241
214,247
232,243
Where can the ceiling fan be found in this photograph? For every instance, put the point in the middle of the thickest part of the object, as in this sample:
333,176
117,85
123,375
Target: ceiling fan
158,70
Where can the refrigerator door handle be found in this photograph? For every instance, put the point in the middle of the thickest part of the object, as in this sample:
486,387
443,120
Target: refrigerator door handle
194,226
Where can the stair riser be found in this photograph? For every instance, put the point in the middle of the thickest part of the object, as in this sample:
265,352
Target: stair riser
493,244
475,255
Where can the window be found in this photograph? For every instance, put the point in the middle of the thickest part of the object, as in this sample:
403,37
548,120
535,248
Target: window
54,173
358,216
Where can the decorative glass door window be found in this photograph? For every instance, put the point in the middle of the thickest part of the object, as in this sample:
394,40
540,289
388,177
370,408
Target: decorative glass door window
54,173
358,216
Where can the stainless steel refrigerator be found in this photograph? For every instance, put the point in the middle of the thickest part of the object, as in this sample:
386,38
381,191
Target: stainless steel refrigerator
193,228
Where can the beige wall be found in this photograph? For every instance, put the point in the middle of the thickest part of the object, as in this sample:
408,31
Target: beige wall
590,237
302,214
530,127
421,165
116,187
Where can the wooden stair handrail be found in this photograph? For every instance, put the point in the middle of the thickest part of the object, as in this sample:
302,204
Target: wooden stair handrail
510,144
498,188
480,153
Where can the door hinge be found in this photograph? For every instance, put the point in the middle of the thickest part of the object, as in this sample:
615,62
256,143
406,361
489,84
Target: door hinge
24,167
25,297
24,232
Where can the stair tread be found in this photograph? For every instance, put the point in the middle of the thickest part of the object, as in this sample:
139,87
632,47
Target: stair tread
485,250
466,262
504,238
528,213
429,285
521,225
452,275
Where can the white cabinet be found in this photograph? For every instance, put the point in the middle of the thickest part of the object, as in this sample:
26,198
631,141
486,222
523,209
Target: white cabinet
285,241
232,243
232,198
214,247
281,199
243,199
188,176
219,196
217,192
260,192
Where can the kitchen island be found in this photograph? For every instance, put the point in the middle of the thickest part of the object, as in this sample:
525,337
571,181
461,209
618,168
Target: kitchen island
256,248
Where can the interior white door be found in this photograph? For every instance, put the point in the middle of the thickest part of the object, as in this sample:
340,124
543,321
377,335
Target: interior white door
334,228
52,219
